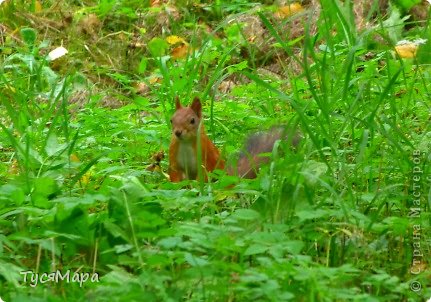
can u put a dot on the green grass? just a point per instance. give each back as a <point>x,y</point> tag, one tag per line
<point>345,217</point>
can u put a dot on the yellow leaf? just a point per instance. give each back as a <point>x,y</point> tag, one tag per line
<point>155,80</point>
<point>407,51</point>
<point>85,179</point>
<point>289,10</point>
<point>37,6</point>
<point>175,39</point>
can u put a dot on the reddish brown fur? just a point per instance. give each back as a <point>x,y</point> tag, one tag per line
<point>183,156</point>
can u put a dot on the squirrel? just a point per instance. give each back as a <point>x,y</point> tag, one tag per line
<point>183,149</point>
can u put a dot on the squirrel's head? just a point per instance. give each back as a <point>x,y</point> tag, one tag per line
<point>185,121</point>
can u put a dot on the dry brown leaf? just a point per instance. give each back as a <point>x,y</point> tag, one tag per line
<point>14,168</point>
<point>180,52</point>
<point>74,158</point>
<point>155,3</point>
<point>142,88</point>
<point>156,158</point>
<point>251,39</point>
<point>418,267</point>
<point>90,24</point>
<point>138,44</point>
<point>226,86</point>
<point>173,12</point>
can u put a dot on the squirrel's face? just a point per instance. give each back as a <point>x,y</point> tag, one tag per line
<point>185,124</point>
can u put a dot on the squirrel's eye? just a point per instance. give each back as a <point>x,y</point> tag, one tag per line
<point>171,121</point>
<point>192,121</point>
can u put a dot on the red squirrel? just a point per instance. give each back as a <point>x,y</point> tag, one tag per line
<point>183,152</point>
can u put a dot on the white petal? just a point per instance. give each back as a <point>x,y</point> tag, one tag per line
<point>57,53</point>
<point>420,41</point>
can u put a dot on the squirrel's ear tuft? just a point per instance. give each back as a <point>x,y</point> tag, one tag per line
<point>197,106</point>
<point>177,103</point>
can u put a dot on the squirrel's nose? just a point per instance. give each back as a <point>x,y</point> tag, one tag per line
<point>178,133</point>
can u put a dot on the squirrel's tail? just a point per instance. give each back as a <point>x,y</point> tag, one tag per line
<point>250,160</point>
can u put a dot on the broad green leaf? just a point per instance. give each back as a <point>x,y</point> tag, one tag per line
<point>53,147</point>
<point>312,214</point>
<point>121,248</point>
<point>294,246</point>
<point>256,249</point>
<point>28,35</point>
<point>246,214</point>
<point>11,273</point>
<point>407,4</point>
<point>169,242</point>
<point>313,171</point>
<point>44,187</point>
<point>194,260</point>
<point>395,24</point>
<point>142,65</point>
<point>157,47</point>
<point>11,192</point>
